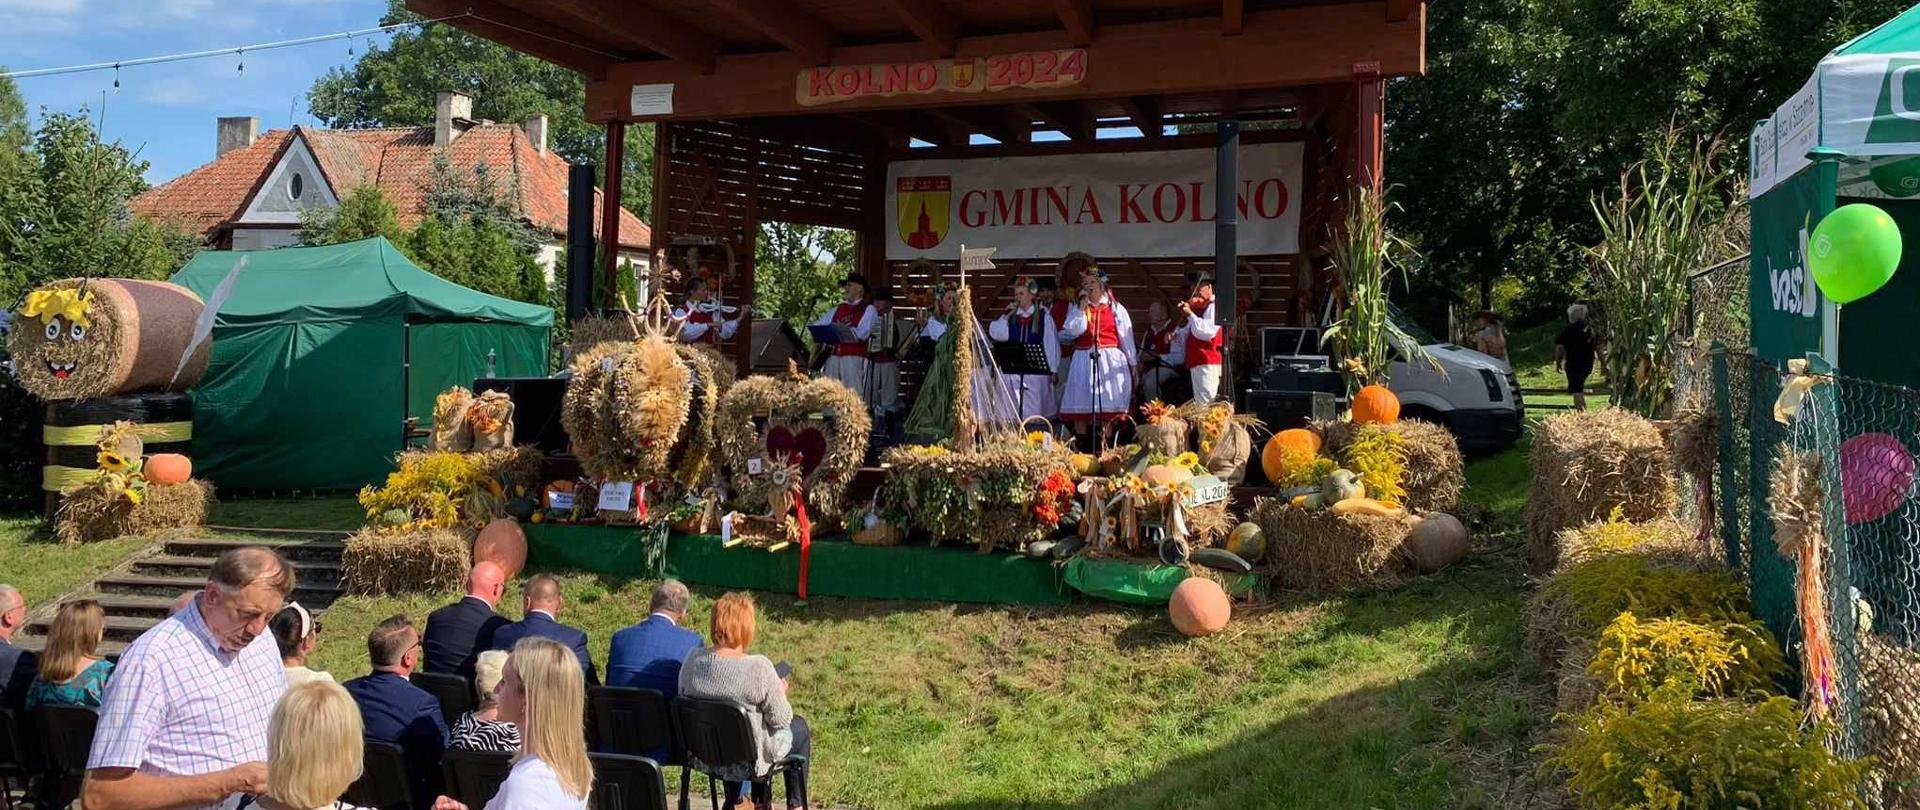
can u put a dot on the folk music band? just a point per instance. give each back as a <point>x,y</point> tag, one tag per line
<point>1100,365</point>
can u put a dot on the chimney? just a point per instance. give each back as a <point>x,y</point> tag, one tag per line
<point>536,127</point>
<point>452,115</point>
<point>235,132</point>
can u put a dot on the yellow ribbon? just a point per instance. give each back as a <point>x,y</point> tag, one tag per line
<point>80,435</point>
<point>1794,390</point>
<point>66,302</point>
<point>55,478</point>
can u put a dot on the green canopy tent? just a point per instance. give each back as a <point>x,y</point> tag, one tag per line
<point>320,354</point>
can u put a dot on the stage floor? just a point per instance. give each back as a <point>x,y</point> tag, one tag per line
<point>838,567</point>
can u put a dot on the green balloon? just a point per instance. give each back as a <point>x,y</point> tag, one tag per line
<point>1854,252</point>
<point>1901,178</point>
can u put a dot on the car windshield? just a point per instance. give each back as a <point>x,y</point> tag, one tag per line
<point>1409,326</point>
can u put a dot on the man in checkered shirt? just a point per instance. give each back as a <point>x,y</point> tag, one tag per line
<point>183,721</point>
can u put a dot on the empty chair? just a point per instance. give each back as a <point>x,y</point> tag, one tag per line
<point>383,780</point>
<point>454,692</point>
<point>622,782</point>
<point>66,735</point>
<point>637,722</point>
<point>18,765</point>
<point>474,776</point>
<point>718,740</point>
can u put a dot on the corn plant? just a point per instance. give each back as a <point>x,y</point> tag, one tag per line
<point>1365,255</point>
<point>1667,220</point>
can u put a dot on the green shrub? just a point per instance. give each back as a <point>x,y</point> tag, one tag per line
<point>1675,753</point>
<point>1635,658</point>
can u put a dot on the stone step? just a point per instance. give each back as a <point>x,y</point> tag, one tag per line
<point>116,628</point>
<point>309,550</point>
<point>109,650</point>
<point>169,587</point>
<point>306,571</point>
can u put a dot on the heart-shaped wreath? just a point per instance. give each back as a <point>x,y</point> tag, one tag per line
<point>818,424</point>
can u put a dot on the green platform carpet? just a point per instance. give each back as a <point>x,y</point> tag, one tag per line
<point>840,568</point>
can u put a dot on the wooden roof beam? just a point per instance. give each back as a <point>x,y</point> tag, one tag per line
<point>902,128</point>
<point>1066,118</point>
<point>647,27</point>
<point>1233,17</point>
<point>931,22</point>
<point>518,30</point>
<point>797,30</point>
<point>1077,17</point>
<point>965,120</point>
<point>1400,10</point>
<point>1145,112</point>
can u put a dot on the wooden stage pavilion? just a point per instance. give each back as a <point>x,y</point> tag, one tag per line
<point>795,111</point>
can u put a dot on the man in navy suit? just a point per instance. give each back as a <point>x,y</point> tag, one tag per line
<point>458,633</point>
<point>17,666</point>
<point>648,654</point>
<point>393,710</point>
<point>542,596</point>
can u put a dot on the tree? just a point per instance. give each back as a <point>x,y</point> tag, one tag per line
<point>363,213</point>
<point>395,86</point>
<point>797,269</point>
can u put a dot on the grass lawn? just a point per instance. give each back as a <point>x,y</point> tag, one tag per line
<point>1530,351</point>
<point>43,568</point>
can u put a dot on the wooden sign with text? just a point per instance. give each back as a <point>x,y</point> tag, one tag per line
<point>817,86</point>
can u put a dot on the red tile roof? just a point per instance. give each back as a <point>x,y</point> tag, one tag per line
<point>399,161</point>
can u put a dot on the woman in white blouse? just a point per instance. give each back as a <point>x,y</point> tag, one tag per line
<point>544,694</point>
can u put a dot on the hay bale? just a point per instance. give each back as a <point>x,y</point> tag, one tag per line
<point>1574,688</point>
<point>1587,464</point>
<point>1435,472</point>
<point>1890,716</point>
<point>384,563</point>
<point>1320,550</point>
<point>984,496</point>
<point>109,336</point>
<point>1664,538</point>
<point>99,511</point>
<point>1569,610</point>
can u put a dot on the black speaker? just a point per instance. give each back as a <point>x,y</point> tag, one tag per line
<point>1286,377</point>
<point>1289,409</point>
<point>536,409</point>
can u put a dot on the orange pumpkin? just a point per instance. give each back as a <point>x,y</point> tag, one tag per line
<point>1199,607</point>
<point>168,468</point>
<point>1375,404</point>
<point>1286,450</point>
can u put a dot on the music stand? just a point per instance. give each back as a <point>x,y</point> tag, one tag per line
<point>828,334</point>
<point>1021,360</point>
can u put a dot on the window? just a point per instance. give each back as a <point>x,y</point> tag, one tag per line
<point>295,185</point>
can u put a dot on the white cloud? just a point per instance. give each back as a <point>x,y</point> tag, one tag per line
<point>175,92</point>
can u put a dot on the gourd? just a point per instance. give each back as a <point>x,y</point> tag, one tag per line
<point>1366,506</point>
<point>1199,607</point>
<point>1374,404</point>
<point>1286,449</point>
<point>1166,475</point>
<point>168,468</point>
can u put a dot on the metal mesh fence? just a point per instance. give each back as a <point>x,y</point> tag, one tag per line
<point>1864,434</point>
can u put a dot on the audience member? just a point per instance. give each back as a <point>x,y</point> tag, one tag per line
<point>297,631</point>
<point>17,666</point>
<point>314,749</point>
<point>458,632</point>
<point>482,729</point>
<point>393,710</point>
<point>724,671</point>
<point>542,693</point>
<point>543,602</point>
<point>648,654</point>
<point>71,671</point>
<point>183,722</point>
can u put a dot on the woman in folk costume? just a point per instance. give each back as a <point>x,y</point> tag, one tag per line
<point>1100,377</point>
<point>1026,322</point>
<point>702,317</point>
<point>848,361</point>
<point>1206,340</point>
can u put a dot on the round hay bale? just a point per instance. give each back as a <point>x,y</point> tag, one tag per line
<point>1437,541</point>
<point>1587,464</point>
<point>1320,550</point>
<point>85,338</point>
<point>98,511</point>
<point>384,563</point>
<point>1434,475</point>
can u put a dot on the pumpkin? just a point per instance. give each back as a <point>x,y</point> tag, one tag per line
<point>1084,464</point>
<point>1286,449</point>
<point>1376,405</point>
<point>1199,607</point>
<point>168,468</point>
<point>1166,475</point>
<point>504,544</point>
<point>1247,541</point>
<point>1435,543</point>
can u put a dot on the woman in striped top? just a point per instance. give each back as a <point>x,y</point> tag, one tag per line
<point>482,729</point>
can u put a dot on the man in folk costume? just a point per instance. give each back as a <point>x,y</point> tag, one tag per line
<point>883,350</point>
<point>702,317</point>
<point>1026,322</point>
<point>848,359</point>
<point>1099,383</point>
<point>1162,349</point>
<point>1206,340</point>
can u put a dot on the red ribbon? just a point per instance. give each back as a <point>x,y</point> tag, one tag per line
<point>640,504</point>
<point>806,537</point>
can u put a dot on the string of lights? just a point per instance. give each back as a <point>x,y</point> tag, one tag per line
<point>239,51</point>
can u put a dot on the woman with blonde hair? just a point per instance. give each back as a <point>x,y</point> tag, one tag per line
<point>725,672</point>
<point>543,693</point>
<point>314,748</point>
<point>71,673</point>
<point>482,729</point>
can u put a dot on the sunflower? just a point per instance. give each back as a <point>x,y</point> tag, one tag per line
<point>133,495</point>
<point>1036,438</point>
<point>1189,460</point>
<point>113,462</point>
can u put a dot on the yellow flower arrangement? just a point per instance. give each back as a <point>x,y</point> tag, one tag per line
<point>1036,438</point>
<point>1191,461</point>
<point>113,462</point>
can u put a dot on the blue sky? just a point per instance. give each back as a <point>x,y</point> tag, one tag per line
<point>166,112</point>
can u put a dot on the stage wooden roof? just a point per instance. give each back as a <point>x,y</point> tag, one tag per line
<point>1145,58</point>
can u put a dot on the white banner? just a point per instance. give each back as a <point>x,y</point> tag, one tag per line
<point>1144,204</point>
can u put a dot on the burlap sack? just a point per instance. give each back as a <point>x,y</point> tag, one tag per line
<point>1168,436</point>
<point>450,431</point>
<point>1231,453</point>
<point>491,419</point>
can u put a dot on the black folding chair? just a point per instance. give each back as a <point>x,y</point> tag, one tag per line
<point>66,735</point>
<point>454,692</point>
<point>14,765</point>
<point>638,722</point>
<point>474,776</point>
<point>719,738</point>
<point>383,779</point>
<point>622,782</point>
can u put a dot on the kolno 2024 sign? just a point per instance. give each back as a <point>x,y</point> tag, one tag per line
<point>832,84</point>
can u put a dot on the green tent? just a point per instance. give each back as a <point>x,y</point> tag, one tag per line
<point>320,354</point>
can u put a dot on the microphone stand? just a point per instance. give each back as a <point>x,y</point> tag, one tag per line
<point>1093,379</point>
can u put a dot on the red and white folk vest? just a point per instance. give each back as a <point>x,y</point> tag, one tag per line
<point>1205,352</point>
<point>1160,341</point>
<point>1103,331</point>
<point>849,316</point>
<point>700,314</point>
<point>1059,311</point>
